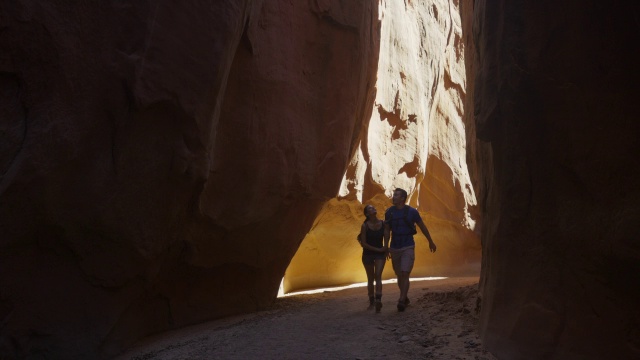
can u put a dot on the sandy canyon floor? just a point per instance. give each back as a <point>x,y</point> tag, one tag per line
<point>440,323</point>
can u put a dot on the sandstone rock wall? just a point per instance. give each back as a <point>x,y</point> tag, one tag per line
<point>556,87</point>
<point>161,161</point>
<point>416,140</point>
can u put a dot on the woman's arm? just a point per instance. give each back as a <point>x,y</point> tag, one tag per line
<point>387,236</point>
<point>363,233</point>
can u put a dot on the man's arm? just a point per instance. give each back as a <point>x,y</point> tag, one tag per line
<point>425,231</point>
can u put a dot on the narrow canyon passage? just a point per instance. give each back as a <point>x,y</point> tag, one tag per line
<point>440,323</point>
<point>167,163</point>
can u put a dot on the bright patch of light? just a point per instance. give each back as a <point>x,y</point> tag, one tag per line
<point>356,285</point>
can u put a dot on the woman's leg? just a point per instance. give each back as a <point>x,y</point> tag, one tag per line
<point>379,266</point>
<point>368,268</point>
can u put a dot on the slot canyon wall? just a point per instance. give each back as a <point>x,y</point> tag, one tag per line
<point>416,140</point>
<point>555,92</point>
<point>162,161</point>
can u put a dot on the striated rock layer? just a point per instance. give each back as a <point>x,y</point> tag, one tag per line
<point>556,86</point>
<point>416,140</point>
<point>161,162</point>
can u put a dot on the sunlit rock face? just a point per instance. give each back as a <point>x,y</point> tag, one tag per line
<point>556,96</point>
<point>161,162</point>
<point>416,140</point>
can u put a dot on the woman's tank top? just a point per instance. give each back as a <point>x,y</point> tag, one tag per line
<point>374,238</point>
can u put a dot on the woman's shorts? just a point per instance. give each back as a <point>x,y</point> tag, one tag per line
<point>370,258</point>
<point>403,259</point>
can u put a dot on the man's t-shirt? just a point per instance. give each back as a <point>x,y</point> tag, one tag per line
<point>401,230</point>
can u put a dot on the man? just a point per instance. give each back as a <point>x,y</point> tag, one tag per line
<point>400,221</point>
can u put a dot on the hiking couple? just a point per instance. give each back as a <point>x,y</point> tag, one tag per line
<point>400,222</point>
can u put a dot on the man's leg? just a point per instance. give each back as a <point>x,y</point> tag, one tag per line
<point>403,280</point>
<point>408,261</point>
<point>396,261</point>
<point>403,272</point>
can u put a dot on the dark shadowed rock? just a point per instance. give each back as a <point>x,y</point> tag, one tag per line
<point>161,162</point>
<point>556,86</point>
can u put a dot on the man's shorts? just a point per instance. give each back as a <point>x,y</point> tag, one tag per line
<point>402,259</point>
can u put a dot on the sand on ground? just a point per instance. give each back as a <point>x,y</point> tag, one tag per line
<point>440,323</point>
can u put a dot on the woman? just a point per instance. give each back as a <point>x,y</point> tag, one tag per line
<point>373,253</point>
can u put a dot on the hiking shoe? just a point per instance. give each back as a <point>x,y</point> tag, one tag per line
<point>401,306</point>
<point>378,305</point>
